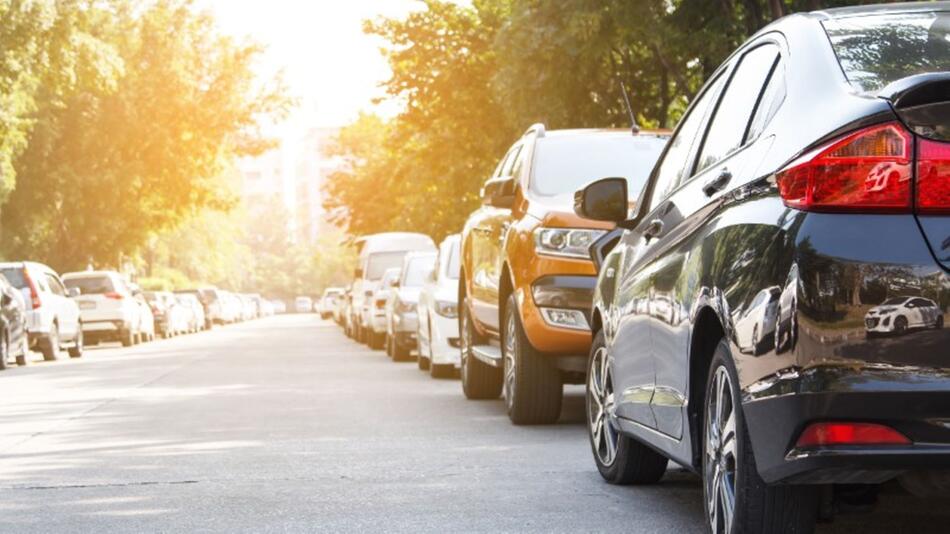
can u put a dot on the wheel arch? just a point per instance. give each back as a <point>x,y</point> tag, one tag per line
<point>706,333</point>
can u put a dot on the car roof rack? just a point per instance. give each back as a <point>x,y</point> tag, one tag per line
<point>536,128</point>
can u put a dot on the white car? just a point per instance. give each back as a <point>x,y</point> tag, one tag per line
<point>52,317</point>
<point>303,305</point>
<point>402,321</point>
<point>378,322</point>
<point>755,328</point>
<point>438,336</point>
<point>146,325</point>
<point>899,314</point>
<point>108,307</point>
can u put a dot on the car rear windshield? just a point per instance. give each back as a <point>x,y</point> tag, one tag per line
<point>875,50</point>
<point>416,271</point>
<point>565,164</point>
<point>14,275</point>
<point>91,285</point>
<point>380,262</point>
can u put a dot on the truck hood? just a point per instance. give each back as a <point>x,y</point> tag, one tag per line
<point>558,212</point>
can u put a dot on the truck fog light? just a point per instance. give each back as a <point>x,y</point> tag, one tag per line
<point>565,318</point>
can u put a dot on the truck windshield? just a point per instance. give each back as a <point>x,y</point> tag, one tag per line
<point>379,262</point>
<point>564,164</point>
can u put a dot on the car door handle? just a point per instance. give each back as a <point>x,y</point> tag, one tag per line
<point>718,183</point>
<point>653,229</point>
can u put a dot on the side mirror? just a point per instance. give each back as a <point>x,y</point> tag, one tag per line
<point>500,192</point>
<point>603,200</point>
<point>6,300</point>
<point>394,283</point>
<point>73,292</point>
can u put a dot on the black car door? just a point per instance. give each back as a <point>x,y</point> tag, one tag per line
<point>631,345</point>
<point>726,157</point>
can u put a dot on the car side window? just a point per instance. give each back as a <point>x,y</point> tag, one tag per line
<point>513,161</point>
<point>671,169</point>
<point>772,98</point>
<point>55,286</point>
<point>501,165</point>
<point>920,303</point>
<point>729,125</point>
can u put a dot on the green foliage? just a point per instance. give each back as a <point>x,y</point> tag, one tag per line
<point>158,102</point>
<point>473,77</point>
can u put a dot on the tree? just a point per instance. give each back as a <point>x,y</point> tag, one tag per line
<point>108,165</point>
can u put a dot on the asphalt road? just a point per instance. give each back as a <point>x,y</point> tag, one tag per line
<point>284,425</point>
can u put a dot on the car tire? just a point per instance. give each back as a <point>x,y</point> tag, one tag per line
<point>900,325</point>
<point>379,340</point>
<point>620,459</point>
<point>479,380</point>
<point>4,352</point>
<point>127,338</point>
<point>756,506</point>
<point>532,386</point>
<point>23,354</point>
<point>938,324</point>
<point>441,370</point>
<point>400,353</point>
<point>50,345</point>
<point>75,351</point>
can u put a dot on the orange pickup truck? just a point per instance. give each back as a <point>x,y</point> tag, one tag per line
<point>527,280</point>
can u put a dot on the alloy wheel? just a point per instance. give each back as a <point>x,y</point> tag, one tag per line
<point>721,456</point>
<point>511,347</point>
<point>601,419</point>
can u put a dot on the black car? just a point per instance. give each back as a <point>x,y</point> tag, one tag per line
<point>14,340</point>
<point>814,166</point>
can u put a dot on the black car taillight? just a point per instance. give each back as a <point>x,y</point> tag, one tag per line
<point>868,171</point>
<point>933,177</point>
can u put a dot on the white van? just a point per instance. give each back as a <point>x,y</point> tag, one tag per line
<point>377,254</point>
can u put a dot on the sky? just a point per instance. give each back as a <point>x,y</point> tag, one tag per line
<point>328,62</point>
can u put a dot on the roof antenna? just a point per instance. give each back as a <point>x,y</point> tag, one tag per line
<point>626,101</point>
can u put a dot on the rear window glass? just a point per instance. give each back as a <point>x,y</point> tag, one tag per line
<point>91,285</point>
<point>875,50</point>
<point>416,271</point>
<point>15,277</point>
<point>564,164</point>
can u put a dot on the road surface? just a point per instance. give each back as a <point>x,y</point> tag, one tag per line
<point>285,425</point>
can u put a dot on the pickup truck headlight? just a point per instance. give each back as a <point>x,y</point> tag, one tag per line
<point>566,242</point>
<point>446,309</point>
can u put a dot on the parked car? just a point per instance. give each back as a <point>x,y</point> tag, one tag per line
<point>402,320</point>
<point>376,254</point>
<point>339,309</point>
<point>108,307</point>
<point>210,303</point>
<point>195,312</point>
<point>438,335</point>
<point>279,306</point>
<point>378,302</point>
<point>328,302</point>
<point>897,315</point>
<point>52,317</point>
<point>755,325</point>
<point>231,307</point>
<point>526,277</point>
<point>14,340</point>
<point>169,315</point>
<point>817,156</point>
<point>303,304</point>
<point>146,321</point>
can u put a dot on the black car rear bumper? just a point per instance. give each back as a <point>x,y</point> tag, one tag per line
<point>915,402</point>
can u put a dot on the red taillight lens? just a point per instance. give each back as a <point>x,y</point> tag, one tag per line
<point>933,177</point>
<point>35,301</point>
<point>113,295</point>
<point>868,170</point>
<point>834,434</point>
<point>380,304</point>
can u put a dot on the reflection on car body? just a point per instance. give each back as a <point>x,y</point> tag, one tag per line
<point>897,315</point>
